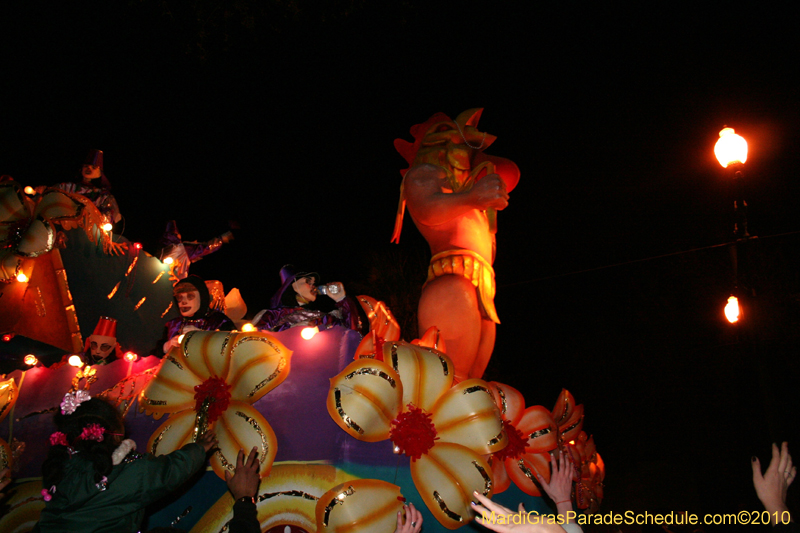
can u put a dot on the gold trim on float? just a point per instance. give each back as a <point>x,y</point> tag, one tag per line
<point>573,426</point>
<point>502,399</point>
<point>444,364</point>
<point>394,357</point>
<point>443,506</point>
<point>186,338</point>
<point>337,396</point>
<point>138,305</point>
<point>157,440</point>
<point>476,388</point>
<point>158,277</point>
<point>539,433</point>
<point>224,344</point>
<point>278,370</point>
<point>290,493</point>
<point>487,480</point>
<point>496,439</point>
<point>337,500</point>
<point>254,423</point>
<point>525,470</point>
<point>175,362</point>
<point>372,372</point>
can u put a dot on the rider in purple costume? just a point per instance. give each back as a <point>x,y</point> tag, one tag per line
<point>193,300</point>
<point>187,252</point>
<point>297,304</point>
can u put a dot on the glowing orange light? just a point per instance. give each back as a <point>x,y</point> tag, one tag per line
<point>30,359</point>
<point>7,337</point>
<point>108,226</point>
<point>137,245</point>
<point>130,357</point>
<point>168,261</point>
<point>732,309</point>
<point>248,327</point>
<point>730,148</point>
<point>75,360</point>
<point>22,278</point>
<point>572,442</point>
<point>29,190</point>
<point>308,333</point>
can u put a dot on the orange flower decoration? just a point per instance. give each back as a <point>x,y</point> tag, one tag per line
<point>532,435</point>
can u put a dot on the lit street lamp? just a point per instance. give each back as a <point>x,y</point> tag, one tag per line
<point>731,152</point>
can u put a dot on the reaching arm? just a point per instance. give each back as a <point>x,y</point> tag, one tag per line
<point>771,487</point>
<point>431,207</point>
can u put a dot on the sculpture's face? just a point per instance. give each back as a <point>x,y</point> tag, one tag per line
<point>90,172</point>
<point>101,345</point>
<point>305,288</point>
<point>188,303</point>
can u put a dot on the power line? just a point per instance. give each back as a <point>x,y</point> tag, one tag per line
<point>595,269</point>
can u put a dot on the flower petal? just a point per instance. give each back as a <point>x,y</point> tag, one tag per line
<point>241,427</point>
<point>564,407</point>
<point>174,433</point>
<point>364,399</point>
<point>206,353</point>
<point>537,424</point>
<point>523,471</point>
<point>425,372</point>
<point>467,415</point>
<point>446,477</point>
<point>571,428</point>
<point>172,389</point>
<point>509,401</point>
<point>499,475</point>
<point>259,363</point>
<point>359,506</point>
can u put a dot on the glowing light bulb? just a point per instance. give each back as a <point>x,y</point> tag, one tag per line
<point>22,278</point>
<point>7,337</point>
<point>168,261</point>
<point>108,226</point>
<point>730,148</point>
<point>248,327</point>
<point>29,190</point>
<point>309,332</point>
<point>180,337</point>
<point>30,359</point>
<point>732,310</point>
<point>137,245</point>
<point>75,360</point>
<point>130,357</point>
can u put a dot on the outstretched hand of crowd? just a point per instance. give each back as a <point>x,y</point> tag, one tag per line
<point>498,518</point>
<point>245,481</point>
<point>771,486</point>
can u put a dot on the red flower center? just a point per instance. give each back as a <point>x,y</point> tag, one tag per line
<point>217,392</point>
<point>516,443</point>
<point>413,432</point>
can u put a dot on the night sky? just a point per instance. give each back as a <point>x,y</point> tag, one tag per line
<point>281,116</point>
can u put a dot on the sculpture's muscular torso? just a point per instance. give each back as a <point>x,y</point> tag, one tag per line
<point>453,191</point>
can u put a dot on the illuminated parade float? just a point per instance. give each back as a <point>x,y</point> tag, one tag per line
<point>349,422</point>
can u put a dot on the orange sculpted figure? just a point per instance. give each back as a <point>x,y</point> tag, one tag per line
<point>453,191</point>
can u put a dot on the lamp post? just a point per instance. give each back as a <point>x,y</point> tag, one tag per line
<point>731,152</point>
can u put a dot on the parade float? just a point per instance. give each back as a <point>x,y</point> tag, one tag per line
<point>348,424</point>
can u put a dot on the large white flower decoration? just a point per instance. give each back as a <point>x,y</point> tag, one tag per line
<point>210,381</point>
<point>408,397</point>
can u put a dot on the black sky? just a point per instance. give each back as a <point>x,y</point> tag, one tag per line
<point>282,115</point>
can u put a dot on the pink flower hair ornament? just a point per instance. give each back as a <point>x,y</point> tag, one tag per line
<point>58,438</point>
<point>47,494</point>
<point>72,400</point>
<point>93,432</point>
